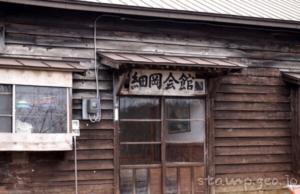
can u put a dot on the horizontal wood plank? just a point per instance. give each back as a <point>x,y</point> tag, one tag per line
<point>253,89</point>
<point>253,159</point>
<point>253,141</point>
<point>252,115</point>
<point>240,124</point>
<point>252,80</point>
<point>95,145</point>
<point>251,98</point>
<point>253,150</point>
<point>253,132</point>
<point>90,155</point>
<point>250,168</point>
<point>252,106</point>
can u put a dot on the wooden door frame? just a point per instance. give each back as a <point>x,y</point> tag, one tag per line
<point>209,163</point>
<point>213,84</point>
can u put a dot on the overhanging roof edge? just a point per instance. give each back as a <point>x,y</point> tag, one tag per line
<point>116,59</point>
<point>40,64</point>
<point>170,14</point>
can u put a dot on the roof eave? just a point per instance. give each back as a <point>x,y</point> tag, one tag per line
<point>170,14</point>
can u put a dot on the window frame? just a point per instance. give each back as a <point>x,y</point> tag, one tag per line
<point>10,94</point>
<point>13,114</point>
<point>163,141</point>
<point>158,120</point>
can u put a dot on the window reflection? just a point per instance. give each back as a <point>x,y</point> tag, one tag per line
<point>41,109</point>
<point>6,108</point>
<point>181,108</point>
<point>183,128</point>
<point>139,108</point>
<point>6,125</point>
<point>139,131</point>
<point>185,120</point>
<point>5,103</point>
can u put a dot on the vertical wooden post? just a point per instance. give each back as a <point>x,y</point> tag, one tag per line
<point>193,182</point>
<point>213,85</point>
<point>296,134</point>
<point>163,146</point>
<point>116,135</point>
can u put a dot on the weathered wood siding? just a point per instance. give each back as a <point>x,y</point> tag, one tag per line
<point>41,35</point>
<point>252,109</point>
<point>252,130</point>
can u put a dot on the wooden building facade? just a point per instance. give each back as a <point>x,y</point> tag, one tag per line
<point>245,120</point>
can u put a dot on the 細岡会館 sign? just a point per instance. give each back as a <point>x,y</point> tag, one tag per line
<point>165,83</point>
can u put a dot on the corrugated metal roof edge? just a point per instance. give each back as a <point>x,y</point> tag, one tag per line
<point>75,66</point>
<point>162,13</point>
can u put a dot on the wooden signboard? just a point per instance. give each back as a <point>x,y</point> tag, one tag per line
<point>165,83</point>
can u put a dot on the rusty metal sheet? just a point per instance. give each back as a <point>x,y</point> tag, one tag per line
<point>199,61</point>
<point>179,60</point>
<point>220,62</point>
<point>135,57</point>
<point>56,64</point>
<point>32,63</point>
<point>114,56</point>
<point>7,61</point>
<point>47,65</point>
<point>156,59</point>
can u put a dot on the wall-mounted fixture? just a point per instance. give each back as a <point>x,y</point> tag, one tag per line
<point>91,109</point>
<point>76,127</point>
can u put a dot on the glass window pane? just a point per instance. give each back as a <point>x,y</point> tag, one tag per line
<point>185,131</point>
<point>140,131</point>
<point>41,109</point>
<point>139,108</point>
<point>6,124</point>
<point>175,127</point>
<point>126,184</point>
<point>141,182</point>
<point>5,88</point>
<point>185,152</point>
<point>171,181</point>
<point>140,154</point>
<point>185,120</point>
<point>5,104</point>
<point>180,108</point>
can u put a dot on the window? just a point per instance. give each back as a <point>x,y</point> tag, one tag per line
<point>158,132</point>
<point>34,109</point>
<point>5,108</point>
<point>146,124</point>
<point>184,131</point>
<point>140,130</point>
<point>35,105</point>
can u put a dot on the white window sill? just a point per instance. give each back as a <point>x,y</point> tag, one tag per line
<point>35,142</point>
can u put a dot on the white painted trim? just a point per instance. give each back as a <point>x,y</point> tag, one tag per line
<point>13,109</point>
<point>68,111</point>
<point>35,142</point>
<point>36,78</point>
